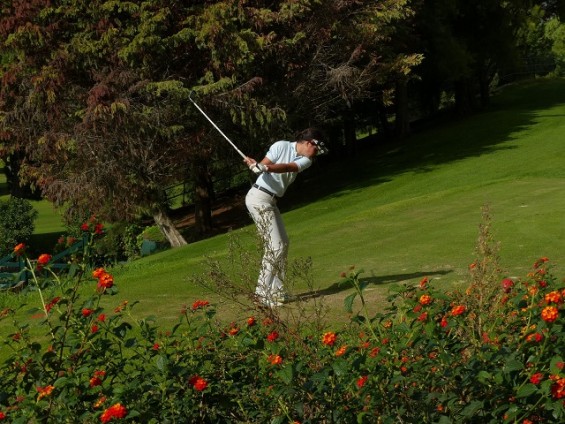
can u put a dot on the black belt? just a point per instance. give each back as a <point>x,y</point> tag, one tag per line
<point>264,190</point>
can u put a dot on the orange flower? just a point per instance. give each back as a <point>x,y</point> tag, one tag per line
<point>457,310</point>
<point>549,313</point>
<point>341,351</point>
<point>114,411</point>
<point>329,338</point>
<point>425,299</point>
<point>424,283</point>
<point>98,272</point>
<point>44,391</point>
<point>198,382</point>
<point>534,337</point>
<point>20,249</point>
<point>540,262</point>
<point>250,321</point>
<point>553,297</point>
<point>105,281</point>
<point>233,331</point>
<point>274,359</point>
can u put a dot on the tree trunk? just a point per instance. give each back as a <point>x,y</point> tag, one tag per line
<point>402,127</point>
<point>349,133</point>
<point>203,198</point>
<point>167,227</point>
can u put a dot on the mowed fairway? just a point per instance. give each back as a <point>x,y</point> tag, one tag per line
<point>402,211</point>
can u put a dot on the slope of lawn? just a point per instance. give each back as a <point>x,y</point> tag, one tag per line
<point>400,212</point>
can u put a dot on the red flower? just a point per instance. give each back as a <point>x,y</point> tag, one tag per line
<point>98,229</point>
<point>362,380</point>
<point>101,317</point>
<point>85,227</point>
<point>94,329</point>
<point>87,312</point>
<point>115,411</point>
<point>507,285</point>
<point>156,346</point>
<point>198,382</point>
<point>250,321</point>
<point>443,322</point>
<point>2,416</point>
<point>20,249</point>
<point>536,378</point>
<point>423,317</point>
<point>273,336</point>
<point>53,302</point>
<point>329,338</point>
<point>199,304</point>
<point>43,260</point>
<point>558,389</point>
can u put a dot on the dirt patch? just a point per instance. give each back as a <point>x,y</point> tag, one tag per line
<point>228,213</point>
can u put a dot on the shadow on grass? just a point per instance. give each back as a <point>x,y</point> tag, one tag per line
<point>43,243</point>
<point>375,280</point>
<point>431,145</point>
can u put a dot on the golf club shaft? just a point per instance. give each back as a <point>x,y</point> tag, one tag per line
<point>219,130</point>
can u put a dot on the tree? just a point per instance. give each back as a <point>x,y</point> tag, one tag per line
<point>94,96</point>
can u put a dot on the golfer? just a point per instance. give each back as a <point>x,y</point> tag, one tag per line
<point>280,166</point>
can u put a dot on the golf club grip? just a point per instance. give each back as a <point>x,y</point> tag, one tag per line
<point>218,128</point>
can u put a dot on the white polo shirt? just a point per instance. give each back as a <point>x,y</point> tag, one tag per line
<point>282,152</point>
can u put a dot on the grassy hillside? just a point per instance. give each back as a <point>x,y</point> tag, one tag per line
<point>402,211</point>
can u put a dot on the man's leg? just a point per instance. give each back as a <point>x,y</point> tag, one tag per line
<point>271,228</point>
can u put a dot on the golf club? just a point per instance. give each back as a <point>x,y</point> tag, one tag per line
<point>257,167</point>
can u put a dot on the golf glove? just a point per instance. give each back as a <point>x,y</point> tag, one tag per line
<point>258,168</point>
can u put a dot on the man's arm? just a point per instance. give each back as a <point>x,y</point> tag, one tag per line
<point>279,168</point>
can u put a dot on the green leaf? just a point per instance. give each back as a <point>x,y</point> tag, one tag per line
<point>471,409</point>
<point>553,364</point>
<point>348,302</point>
<point>513,365</point>
<point>286,374</point>
<point>526,390</point>
<point>484,377</point>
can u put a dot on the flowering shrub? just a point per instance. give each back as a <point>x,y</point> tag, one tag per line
<point>430,357</point>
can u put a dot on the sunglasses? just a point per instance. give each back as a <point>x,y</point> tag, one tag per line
<point>322,149</point>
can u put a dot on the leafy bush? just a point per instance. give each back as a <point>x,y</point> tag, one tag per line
<point>430,356</point>
<point>17,217</point>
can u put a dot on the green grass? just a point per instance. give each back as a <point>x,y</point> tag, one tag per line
<point>403,211</point>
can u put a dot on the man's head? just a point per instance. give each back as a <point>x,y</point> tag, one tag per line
<point>312,138</point>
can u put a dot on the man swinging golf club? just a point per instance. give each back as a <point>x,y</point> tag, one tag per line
<point>280,166</point>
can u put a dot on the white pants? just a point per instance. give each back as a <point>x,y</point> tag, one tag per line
<point>264,211</point>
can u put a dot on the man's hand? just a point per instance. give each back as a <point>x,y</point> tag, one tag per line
<point>258,168</point>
